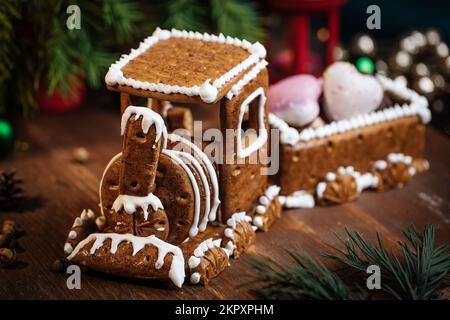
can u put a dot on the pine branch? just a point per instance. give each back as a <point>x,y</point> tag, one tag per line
<point>417,274</point>
<point>237,19</point>
<point>121,17</point>
<point>185,14</point>
<point>306,278</point>
<point>10,12</point>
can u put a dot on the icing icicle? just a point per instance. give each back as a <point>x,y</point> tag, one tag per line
<point>131,203</point>
<point>176,272</point>
<point>149,118</point>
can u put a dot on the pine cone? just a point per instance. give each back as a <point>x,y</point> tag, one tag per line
<point>10,189</point>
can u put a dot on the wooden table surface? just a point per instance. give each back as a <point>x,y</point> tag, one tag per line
<point>67,187</point>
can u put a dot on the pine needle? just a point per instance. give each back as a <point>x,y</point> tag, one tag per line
<point>417,272</point>
<point>306,278</point>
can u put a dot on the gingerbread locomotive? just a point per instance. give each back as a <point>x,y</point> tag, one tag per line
<point>169,212</point>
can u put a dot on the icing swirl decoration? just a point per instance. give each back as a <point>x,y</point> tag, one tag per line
<point>208,92</point>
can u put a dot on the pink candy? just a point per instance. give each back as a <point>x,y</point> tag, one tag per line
<point>295,99</point>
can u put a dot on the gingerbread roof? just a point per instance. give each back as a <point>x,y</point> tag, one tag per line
<point>179,65</point>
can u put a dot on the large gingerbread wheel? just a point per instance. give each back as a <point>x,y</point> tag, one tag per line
<point>173,188</point>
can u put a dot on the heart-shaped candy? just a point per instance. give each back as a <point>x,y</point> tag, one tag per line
<point>349,93</point>
<point>295,99</point>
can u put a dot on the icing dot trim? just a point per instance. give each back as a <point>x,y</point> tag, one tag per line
<point>418,106</point>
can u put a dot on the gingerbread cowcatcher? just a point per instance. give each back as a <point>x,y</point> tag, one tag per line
<point>168,213</point>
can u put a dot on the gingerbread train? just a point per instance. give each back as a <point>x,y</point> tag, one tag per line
<point>169,212</point>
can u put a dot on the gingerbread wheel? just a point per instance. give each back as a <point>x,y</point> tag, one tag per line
<point>173,188</point>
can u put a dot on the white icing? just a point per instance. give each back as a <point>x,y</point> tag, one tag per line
<point>258,221</point>
<point>90,214</point>
<point>426,165</point>
<point>84,215</point>
<point>299,199</point>
<point>72,234</point>
<point>195,278</point>
<point>100,222</point>
<point>366,181</point>
<point>238,216</point>
<point>399,157</point>
<point>208,92</point>
<point>258,49</point>
<point>115,75</point>
<point>288,135</point>
<point>272,191</point>
<point>229,248</point>
<point>418,106</point>
<point>260,209</point>
<point>232,222</point>
<point>246,79</point>
<point>205,183</point>
<point>193,231</point>
<point>229,233</point>
<point>262,136</point>
<point>149,118</point>
<point>176,272</point>
<point>380,165</point>
<point>193,262</point>
<point>363,181</point>
<point>131,203</point>
<point>68,249</point>
<point>161,34</point>
<point>110,163</point>
<point>212,172</point>
<point>200,251</point>
<point>166,106</point>
<point>77,223</point>
<point>222,80</point>
<point>320,189</point>
<point>264,200</point>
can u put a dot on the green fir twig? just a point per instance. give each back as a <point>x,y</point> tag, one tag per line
<point>306,278</point>
<point>418,271</point>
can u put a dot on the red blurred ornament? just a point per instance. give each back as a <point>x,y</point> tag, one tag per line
<point>301,12</point>
<point>60,101</point>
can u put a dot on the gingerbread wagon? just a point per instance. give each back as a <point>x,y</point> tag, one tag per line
<point>167,210</point>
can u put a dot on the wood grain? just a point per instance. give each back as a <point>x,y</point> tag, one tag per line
<point>67,187</point>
